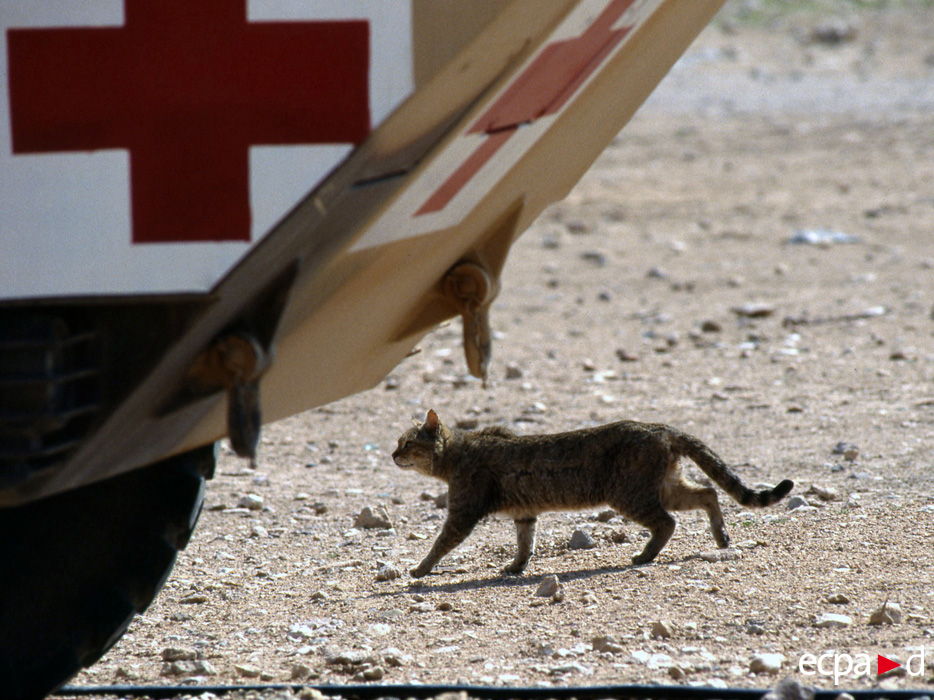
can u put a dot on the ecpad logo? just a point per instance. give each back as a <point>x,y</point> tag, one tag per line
<point>857,665</point>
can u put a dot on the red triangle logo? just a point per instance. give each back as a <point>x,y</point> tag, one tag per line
<point>885,665</point>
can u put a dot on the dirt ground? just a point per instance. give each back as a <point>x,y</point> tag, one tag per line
<point>667,288</point>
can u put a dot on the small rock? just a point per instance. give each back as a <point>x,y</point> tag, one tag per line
<point>660,661</point>
<point>251,501</point>
<point>179,654</point>
<point>373,519</point>
<point>790,689</point>
<point>838,599</point>
<point>349,657</point>
<point>197,667</point>
<point>605,643</point>
<point>625,356</point>
<point>395,657</point>
<point>825,494</point>
<point>372,673</point>
<point>259,532</point>
<point>311,694</point>
<point>832,33</point>
<point>595,258</point>
<point>711,327</point>
<point>605,516</point>
<point>247,670</point>
<point>766,663</point>
<point>661,629</point>
<point>753,310</point>
<point>832,621</point>
<point>581,540</point>
<point>796,502</point>
<point>387,572</point>
<point>821,237</point>
<point>849,451</point>
<point>677,673</point>
<point>590,598</point>
<point>721,555</point>
<point>423,607</point>
<point>124,673</point>
<point>888,614</point>
<point>300,672</point>
<point>549,587</point>
<point>513,371</point>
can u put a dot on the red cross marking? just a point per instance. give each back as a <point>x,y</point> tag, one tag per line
<point>187,86</point>
<point>541,89</point>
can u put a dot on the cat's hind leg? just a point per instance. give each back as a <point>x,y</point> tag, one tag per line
<point>683,495</point>
<point>453,532</point>
<point>660,523</point>
<point>525,536</point>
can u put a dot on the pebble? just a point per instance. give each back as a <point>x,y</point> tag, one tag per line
<point>373,519</point>
<point>251,501</point>
<point>605,643</point>
<point>197,667</point>
<point>595,258</point>
<point>513,371</point>
<point>821,237</point>
<point>179,654</point>
<point>387,572</point>
<point>823,493</point>
<point>605,516</point>
<point>832,621</point>
<point>790,689</point>
<point>581,540</point>
<point>351,657</point>
<point>753,310</point>
<point>590,598</point>
<point>659,661</point>
<point>300,672</point>
<point>796,502</point>
<point>766,663</point>
<point>845,449</point>
<point>888,614</point>
<point>247,670</point>
<point>626,356</point>
<point>395,657</point>
<point>549,587</point>
<point>838,599</point>
<point>661,629</point>
<point>721,555</point>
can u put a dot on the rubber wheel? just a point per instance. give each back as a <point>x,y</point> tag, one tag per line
<point>75,568</point>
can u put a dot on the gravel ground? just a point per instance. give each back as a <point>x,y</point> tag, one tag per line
<point>666,287</point>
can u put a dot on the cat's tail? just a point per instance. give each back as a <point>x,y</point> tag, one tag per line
<point>716,469</point>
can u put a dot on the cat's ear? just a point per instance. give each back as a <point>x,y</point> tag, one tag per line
<point>432,422</point>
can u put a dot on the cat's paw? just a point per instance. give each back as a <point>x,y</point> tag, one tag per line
<point>419,571</point>
<point>513,569</point>
<point>722,539</point>
<point>642,558</point>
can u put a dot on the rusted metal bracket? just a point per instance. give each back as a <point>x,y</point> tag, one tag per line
<point>471,288</point>
<point>234,363</point>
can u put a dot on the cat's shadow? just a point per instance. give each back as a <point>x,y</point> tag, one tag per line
<point>501,580</point>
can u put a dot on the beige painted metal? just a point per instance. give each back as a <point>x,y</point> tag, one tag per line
<point>352,321</point>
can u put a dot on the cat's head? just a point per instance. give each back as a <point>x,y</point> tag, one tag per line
<point>419,446</point>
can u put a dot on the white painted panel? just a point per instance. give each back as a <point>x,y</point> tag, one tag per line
<point>65,218</point>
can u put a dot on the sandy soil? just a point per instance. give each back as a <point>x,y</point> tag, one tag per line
<point>674,255</point>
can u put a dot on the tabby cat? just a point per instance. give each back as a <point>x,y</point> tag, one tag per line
<point>632,467</point>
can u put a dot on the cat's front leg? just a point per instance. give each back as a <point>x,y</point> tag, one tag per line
<point>455,530</point>
<point>525,536</point>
